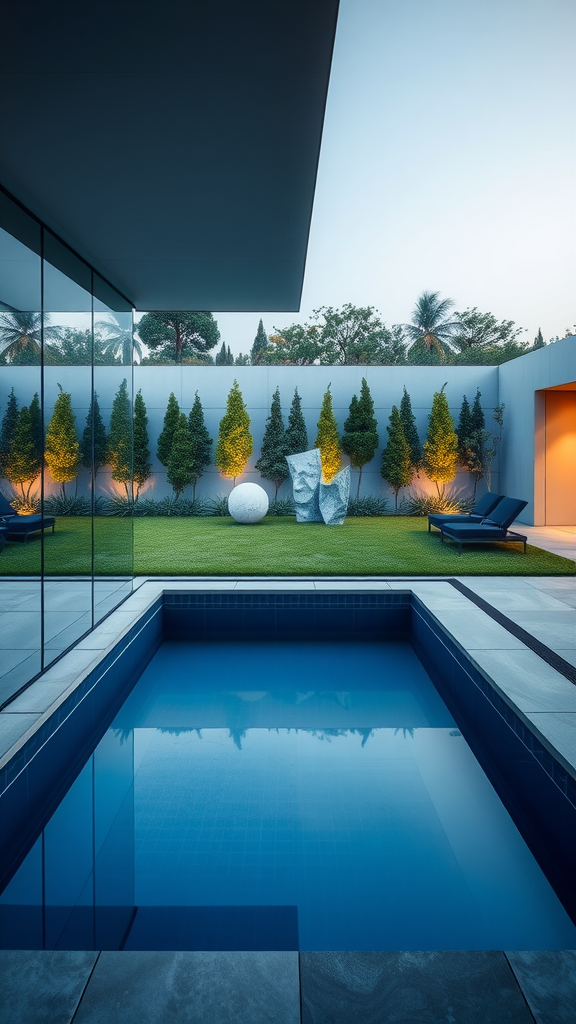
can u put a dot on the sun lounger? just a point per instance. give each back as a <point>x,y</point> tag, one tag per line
<point>483,507</point>
<point>490,530</point>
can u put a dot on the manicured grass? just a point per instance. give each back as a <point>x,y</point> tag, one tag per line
<point>278,546</point>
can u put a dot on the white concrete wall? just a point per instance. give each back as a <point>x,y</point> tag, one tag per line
<point>520,380</point>
<point>257,385</point>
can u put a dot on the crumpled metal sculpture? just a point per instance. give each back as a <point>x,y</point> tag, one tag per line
<point>306,473</point>
<point>316,501</point>
<point>334,498</point>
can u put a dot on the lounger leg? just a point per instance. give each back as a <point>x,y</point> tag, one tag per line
<point>459,549</point>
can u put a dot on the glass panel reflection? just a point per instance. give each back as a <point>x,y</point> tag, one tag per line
<point>112,427</point>
<point>21,449</point>
<point>67,392</point>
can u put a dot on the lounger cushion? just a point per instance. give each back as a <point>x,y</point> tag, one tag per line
<point>505,512</point>
<point>474,531</point>
<point>438,518</point>
<point>28,524</point>
<point>483,506</point>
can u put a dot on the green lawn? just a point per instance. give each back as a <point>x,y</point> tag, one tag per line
<point>390,546</point>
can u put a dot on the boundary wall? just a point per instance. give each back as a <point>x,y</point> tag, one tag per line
<point>258,384</point>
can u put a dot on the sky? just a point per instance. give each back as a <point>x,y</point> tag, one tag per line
<point>448,163</point>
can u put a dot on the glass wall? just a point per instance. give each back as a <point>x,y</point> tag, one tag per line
<point>65,448</point>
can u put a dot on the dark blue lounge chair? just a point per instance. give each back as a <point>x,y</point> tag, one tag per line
<point>3,532</point>
<point>482,508</point>
<point>19,525</point>
<point>494,529</point>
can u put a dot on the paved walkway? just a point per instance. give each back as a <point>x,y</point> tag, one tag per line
<point>560,540</point>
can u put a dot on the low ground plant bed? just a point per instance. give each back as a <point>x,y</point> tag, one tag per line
<point>278,546</point>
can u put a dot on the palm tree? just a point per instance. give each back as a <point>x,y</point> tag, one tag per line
<point>21,334</point>
<point>119,340</point>
<point>429,324</point>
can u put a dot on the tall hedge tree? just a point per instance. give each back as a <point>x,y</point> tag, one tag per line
<point>296,433</point>
<point>201,442</point>
<point>181,461</point>
<point>327,439</point>
<point>260,343</point>
<point>62,452</point>
<point>171,421</point>
<point>411,431</point>
<point>120,438</point>
<point>141,466</point>
<point>397,468</point>
<point>25,457</point>
<point>94,443</point>
<point>234,445</point>
<point>464,431</point>
<point>9,422</point>
<point>360,438</point>
<point>272,463</point>
<point>441,445</point>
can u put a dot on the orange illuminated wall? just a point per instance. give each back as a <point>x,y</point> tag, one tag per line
<point>560,455</point>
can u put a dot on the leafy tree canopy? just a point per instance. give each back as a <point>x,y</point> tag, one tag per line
<point>350,336</point>
<point>178,335</point>
<point>472,329</point>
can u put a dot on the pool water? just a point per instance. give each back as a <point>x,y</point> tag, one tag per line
<point>284,795</point>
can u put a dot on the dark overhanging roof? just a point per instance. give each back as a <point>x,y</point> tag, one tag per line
<point>173,145</point>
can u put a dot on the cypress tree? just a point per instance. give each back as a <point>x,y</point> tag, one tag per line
<point>464,432</point>
<point>479,441</point>
<point>260,344</point>
<point>171,421</point>
<point>94,443</point>
<point>441,445</point>
<point>37,431</point>
<point>411,430</point>
<point>224,357</point>
<point>477,420</point>
<point>120,438</point>
<point>181,462</point>
<point>201,442</point>
<point>327,439</point>
<point>296,433</point>
<point>272,462</point>
<point>234,445</point>
<point>397,468</point>
<point>360,438</point>
<point>62,454</point>
<point>25,458</point>
<point>142,465</point>
<point>8,426</point>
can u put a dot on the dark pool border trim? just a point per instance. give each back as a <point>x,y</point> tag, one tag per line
<point>545,653</point>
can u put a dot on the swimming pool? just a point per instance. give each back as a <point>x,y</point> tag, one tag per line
<point>283,794</point>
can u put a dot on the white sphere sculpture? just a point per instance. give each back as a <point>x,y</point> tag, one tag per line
<point>248,503</point>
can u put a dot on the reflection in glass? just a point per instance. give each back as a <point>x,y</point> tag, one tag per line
<point>21,445</point>
<point>58,321</point>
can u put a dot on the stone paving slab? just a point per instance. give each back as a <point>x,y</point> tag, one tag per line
<point>42,986</point>
<point>548,981</point>
<point>192,987</point>
<point>411,988</point>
